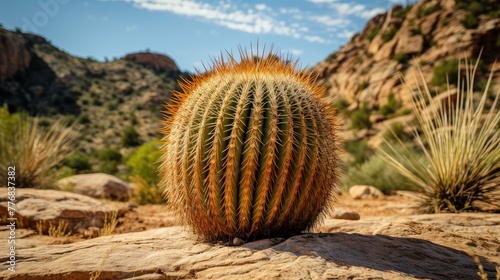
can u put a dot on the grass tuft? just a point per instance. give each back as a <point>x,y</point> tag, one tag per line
<point>34,151</point>
<point>460,141</point>
<point>109,224</point>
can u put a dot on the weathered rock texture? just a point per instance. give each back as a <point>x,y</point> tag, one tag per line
<point>53,207</point>
<point>366,70</point>
<point>14,56</point>
<point>98,185</point>
<point>413,247</point>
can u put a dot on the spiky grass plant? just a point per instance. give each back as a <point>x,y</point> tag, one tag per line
<point>31,149</point>
<point>249,149</point>
<point>460,141</point>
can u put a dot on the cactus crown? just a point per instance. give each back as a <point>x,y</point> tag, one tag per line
<point>249,149</point>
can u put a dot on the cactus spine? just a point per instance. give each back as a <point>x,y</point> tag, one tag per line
<point>249,149</point>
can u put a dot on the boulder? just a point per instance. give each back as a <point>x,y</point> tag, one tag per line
<point>345,215</point>
<point>98,185</point>
<point>53,207</point>
<point>409,44</point>
<point>362,191</point>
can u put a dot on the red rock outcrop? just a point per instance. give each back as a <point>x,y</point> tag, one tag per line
<point>158,62</point>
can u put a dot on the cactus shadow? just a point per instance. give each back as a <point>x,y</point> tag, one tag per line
<point>410,256</point>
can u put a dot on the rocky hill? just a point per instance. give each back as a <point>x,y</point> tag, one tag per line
<point>118,103</point>
<point>364,76</point>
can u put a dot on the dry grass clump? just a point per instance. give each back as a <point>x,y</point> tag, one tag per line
<point>109,224</point>
<point>31,149</point>
<point>146,192</point>
<point>460,141</point>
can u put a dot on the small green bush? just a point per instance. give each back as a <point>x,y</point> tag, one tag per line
<point>372,33</point>
<point>109,154</point>
<point>130,137</point>
<point>331,57</point>
<point>342,106</point>
<point>363,85</point>
<point>376,172</point>
<point>361,118</point>
<point>79,162</point>
<point>109,159</point>
<point>422,12</point>
<point>143,163</point>
<point>448,69</point>
<point>146,193</point>
<point>401,57</point>
<point>390,108</point>
<point>389,34</point>
<point>359,150</point>
<point>470,21</point>
<point>396,131</point>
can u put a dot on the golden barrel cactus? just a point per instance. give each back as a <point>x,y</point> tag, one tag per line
<point>249,149</point>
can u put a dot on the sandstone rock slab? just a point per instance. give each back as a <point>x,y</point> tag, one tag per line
<point>53,207</point>
<point>406,248</point>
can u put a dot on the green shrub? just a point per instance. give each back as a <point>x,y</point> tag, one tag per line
<point>375,172</point>
<point>396,131</point>
<point>372,33</point>
<point>331,57</point>
<point>33,151</point>
<point>79,162</point>
<point>470,21</point>
<point>341,105</point>
<point>109,159</point>
<point>361,118</point>
<point>146,193</point>
<point>390,108</point>
<point>143,163</point>
<point>109,154</point>
<point>460,165</point>
<point>422,12</point>
<point>446,71</point>
<point>359,151</point>
<point>363,85</point>
<point>401,57</point>
<point>130,137</point>
<point>389,34</point>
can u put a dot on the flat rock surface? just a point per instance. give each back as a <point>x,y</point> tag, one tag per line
<point>404,247</point>
<point>51,206</point>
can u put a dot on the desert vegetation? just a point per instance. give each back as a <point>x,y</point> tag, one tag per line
<point>34,151</point>
<point>459,165</point>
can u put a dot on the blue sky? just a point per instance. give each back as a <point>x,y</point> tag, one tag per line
<point>192,31</point>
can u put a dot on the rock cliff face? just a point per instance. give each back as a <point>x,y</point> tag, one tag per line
<point>429,36</point>
<point>14,56</point>
<point>405,39</point>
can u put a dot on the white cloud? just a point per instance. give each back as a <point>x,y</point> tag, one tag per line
<point>345,34</point>
<point>322,1</point>
<point>349,8</point>
<point>262,7</point>
<point>315,39</point>
<point>295,52</point>
<point>224,14</point>
<point>329,21</point>
<point>130,28</point>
